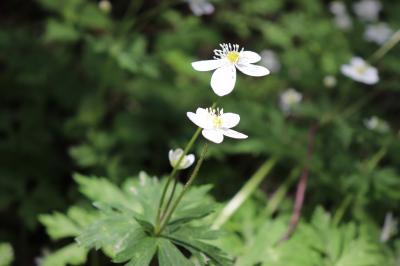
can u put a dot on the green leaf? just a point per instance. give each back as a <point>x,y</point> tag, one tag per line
<point>6,254</point>
<point>59,225</point>
<point>169,255</point>
<point>140,253</point>
<point>59,31</point>
<point>68,255</point>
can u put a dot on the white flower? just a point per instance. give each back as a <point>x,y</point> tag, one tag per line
<point>367,10</point>
<point>360,71</point>
<point>105,6</point>
<point>330,81</point>
<point>376,124</point>
<point>225,62</point>
<point>338,8</point>
<point>216,124</point>
<point>342,19</point>
<point>201,7</point>
<point>270,60</point>
<point>378,33</point>
<point>288,99</point>
<point>343,22</point>
<point>174,156</point>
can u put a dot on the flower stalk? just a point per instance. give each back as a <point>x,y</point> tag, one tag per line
<point>170,211</point>
<point>174,172</point>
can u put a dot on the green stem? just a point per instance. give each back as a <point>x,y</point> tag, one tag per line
<point>342,209</point>
<point>386,47</point>
<point>170,198</point>
<point>174,172</point>
<point>244,193</point>
<point>193,176</point>
<point>160,213</point>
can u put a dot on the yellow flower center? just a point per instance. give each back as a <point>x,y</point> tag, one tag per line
<point>233,56</point>
<point>361,70</point>
<point>217,121</point>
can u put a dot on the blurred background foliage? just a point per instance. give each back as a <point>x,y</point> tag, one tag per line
<point>104,91</point>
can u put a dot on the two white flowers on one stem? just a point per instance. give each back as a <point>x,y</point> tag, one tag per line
<point>215,123</point>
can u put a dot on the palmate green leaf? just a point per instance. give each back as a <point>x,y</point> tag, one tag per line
<point>60,226</point>
<point>125,228</point>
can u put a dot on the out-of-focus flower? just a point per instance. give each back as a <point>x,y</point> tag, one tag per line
<point>201,7</point>
<point>360,71</point>
<point>343,22</point>
<point>367,10</point>
<point>376,124</point>
<point>225,62</point>
<point>389,228</point>
<point>378,33</point>
<point>338,8</point>
<point>174,156</point>
<point>270,60</point>
<point>330,81</point>
<point>342,19</point>
<point>288,99</point>
<point>105,6</point>
<point>216,124</point>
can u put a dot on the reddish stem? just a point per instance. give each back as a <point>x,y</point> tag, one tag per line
<point>302,185</point>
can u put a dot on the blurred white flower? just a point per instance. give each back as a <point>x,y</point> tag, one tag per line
<point>288,99</point>
<point>270,60</point>
<point>330,81</point>
<point>225,62</point>
<point>216,124</point>
<point>378,33</point>
<point>367,10</point>
<point>201,7</point>
<point>338,8</point>
<point>105,6</point>
<point>343,22</point>
<point>389,228</point>
<point>360,71</point>
<point>174,156</point>
<point>342,19</point>
<point>374,123</point>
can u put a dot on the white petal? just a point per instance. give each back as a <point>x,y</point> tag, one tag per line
<point>230,120</point>
<point>205,118</point>
<point>187,162</point>
<point>234,134</point>
<point>213,135</point>
<point>201,118</point>
<point>171,156</point>
<point>223,80</point>
<point>207,65</point>
<point>357,61</point>
<point>249,57</point>
<point>253,70</point>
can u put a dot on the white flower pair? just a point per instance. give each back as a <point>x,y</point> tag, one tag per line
<point>215,123</point>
